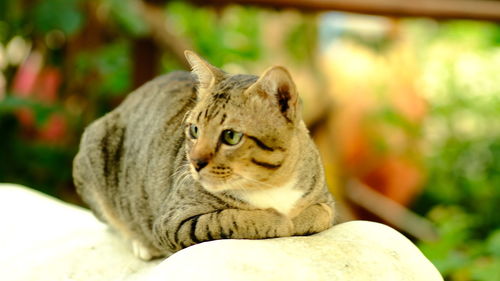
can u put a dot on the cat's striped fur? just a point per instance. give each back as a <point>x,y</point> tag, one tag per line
<point>158,170</point>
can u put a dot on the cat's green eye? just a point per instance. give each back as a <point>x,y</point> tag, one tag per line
<point>193,131</point>
<point>231,137</point>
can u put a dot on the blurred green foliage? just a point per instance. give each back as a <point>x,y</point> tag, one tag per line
<point>111,62</point>
<point>126,17</point>
<point>63,15</point>
<point>233,35</point>
<point>462,62</point>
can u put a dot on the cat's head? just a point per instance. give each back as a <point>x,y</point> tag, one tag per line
<point>242,132</point>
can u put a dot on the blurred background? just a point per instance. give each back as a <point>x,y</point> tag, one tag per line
<point>404,103</point>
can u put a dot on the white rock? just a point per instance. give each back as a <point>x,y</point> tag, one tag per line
<point>357,250</point>
<point>44,239</point>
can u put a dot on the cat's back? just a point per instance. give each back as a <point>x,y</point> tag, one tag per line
<point>118,149</point>
<point>170,91</point>
<point>156,107</point>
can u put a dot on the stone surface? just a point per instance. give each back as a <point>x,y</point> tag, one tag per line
<point>44,239</point>
<point>356,250</point>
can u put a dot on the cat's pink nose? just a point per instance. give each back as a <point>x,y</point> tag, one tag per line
<point>199,164</point>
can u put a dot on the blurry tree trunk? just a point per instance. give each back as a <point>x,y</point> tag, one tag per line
<point>390,211</point>
<point>93,36</point>
<point>162,34</point>
<point>146,57</point>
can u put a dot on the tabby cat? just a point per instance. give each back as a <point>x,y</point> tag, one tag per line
<point>193,157</point>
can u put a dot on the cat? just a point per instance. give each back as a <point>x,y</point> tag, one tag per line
<point>203,155</point>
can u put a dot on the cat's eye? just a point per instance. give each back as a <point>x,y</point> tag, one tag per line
<point>231,137</point>
<point>193,131</point>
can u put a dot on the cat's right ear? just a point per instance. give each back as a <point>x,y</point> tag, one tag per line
<point>276,85</point>
<point>207,74</point>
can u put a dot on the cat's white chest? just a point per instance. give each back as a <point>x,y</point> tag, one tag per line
<point>282,199</point>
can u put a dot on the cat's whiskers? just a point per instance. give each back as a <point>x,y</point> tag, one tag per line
<point>187,177</point>
<point>180,169</point>
<point>183,175</point>
<point>177,175</point>
<point>239,187</point>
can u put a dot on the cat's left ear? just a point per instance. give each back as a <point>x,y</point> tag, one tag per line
<point>276,84</point>
<point>208,75</point>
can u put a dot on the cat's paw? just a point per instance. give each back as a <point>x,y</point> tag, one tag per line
<point>141,251</point>
<point>325,220</point>
<point>283,226</point>
<point>285,229</point>
<point>314,219</point>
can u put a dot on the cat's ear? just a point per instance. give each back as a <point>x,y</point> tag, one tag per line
<point>276,85</point>
<point>207,74</point>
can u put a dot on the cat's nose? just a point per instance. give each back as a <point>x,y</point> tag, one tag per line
<point>199,164</point>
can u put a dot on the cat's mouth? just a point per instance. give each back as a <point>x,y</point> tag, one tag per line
<point>212,182</point>
<point>218,181</point>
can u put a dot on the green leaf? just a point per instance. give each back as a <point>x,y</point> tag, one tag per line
<point>65,15</point>
<point>113,63</point>
<point>41,111</point>
<point>126,15</point>
<point>493,243</point>
<point>486,269</point>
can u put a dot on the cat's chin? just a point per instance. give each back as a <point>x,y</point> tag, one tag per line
<point>216,185</point>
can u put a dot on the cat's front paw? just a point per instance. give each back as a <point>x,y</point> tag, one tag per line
<point>282,225</point>
<point>314,219</point>
<point>141,251</point>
